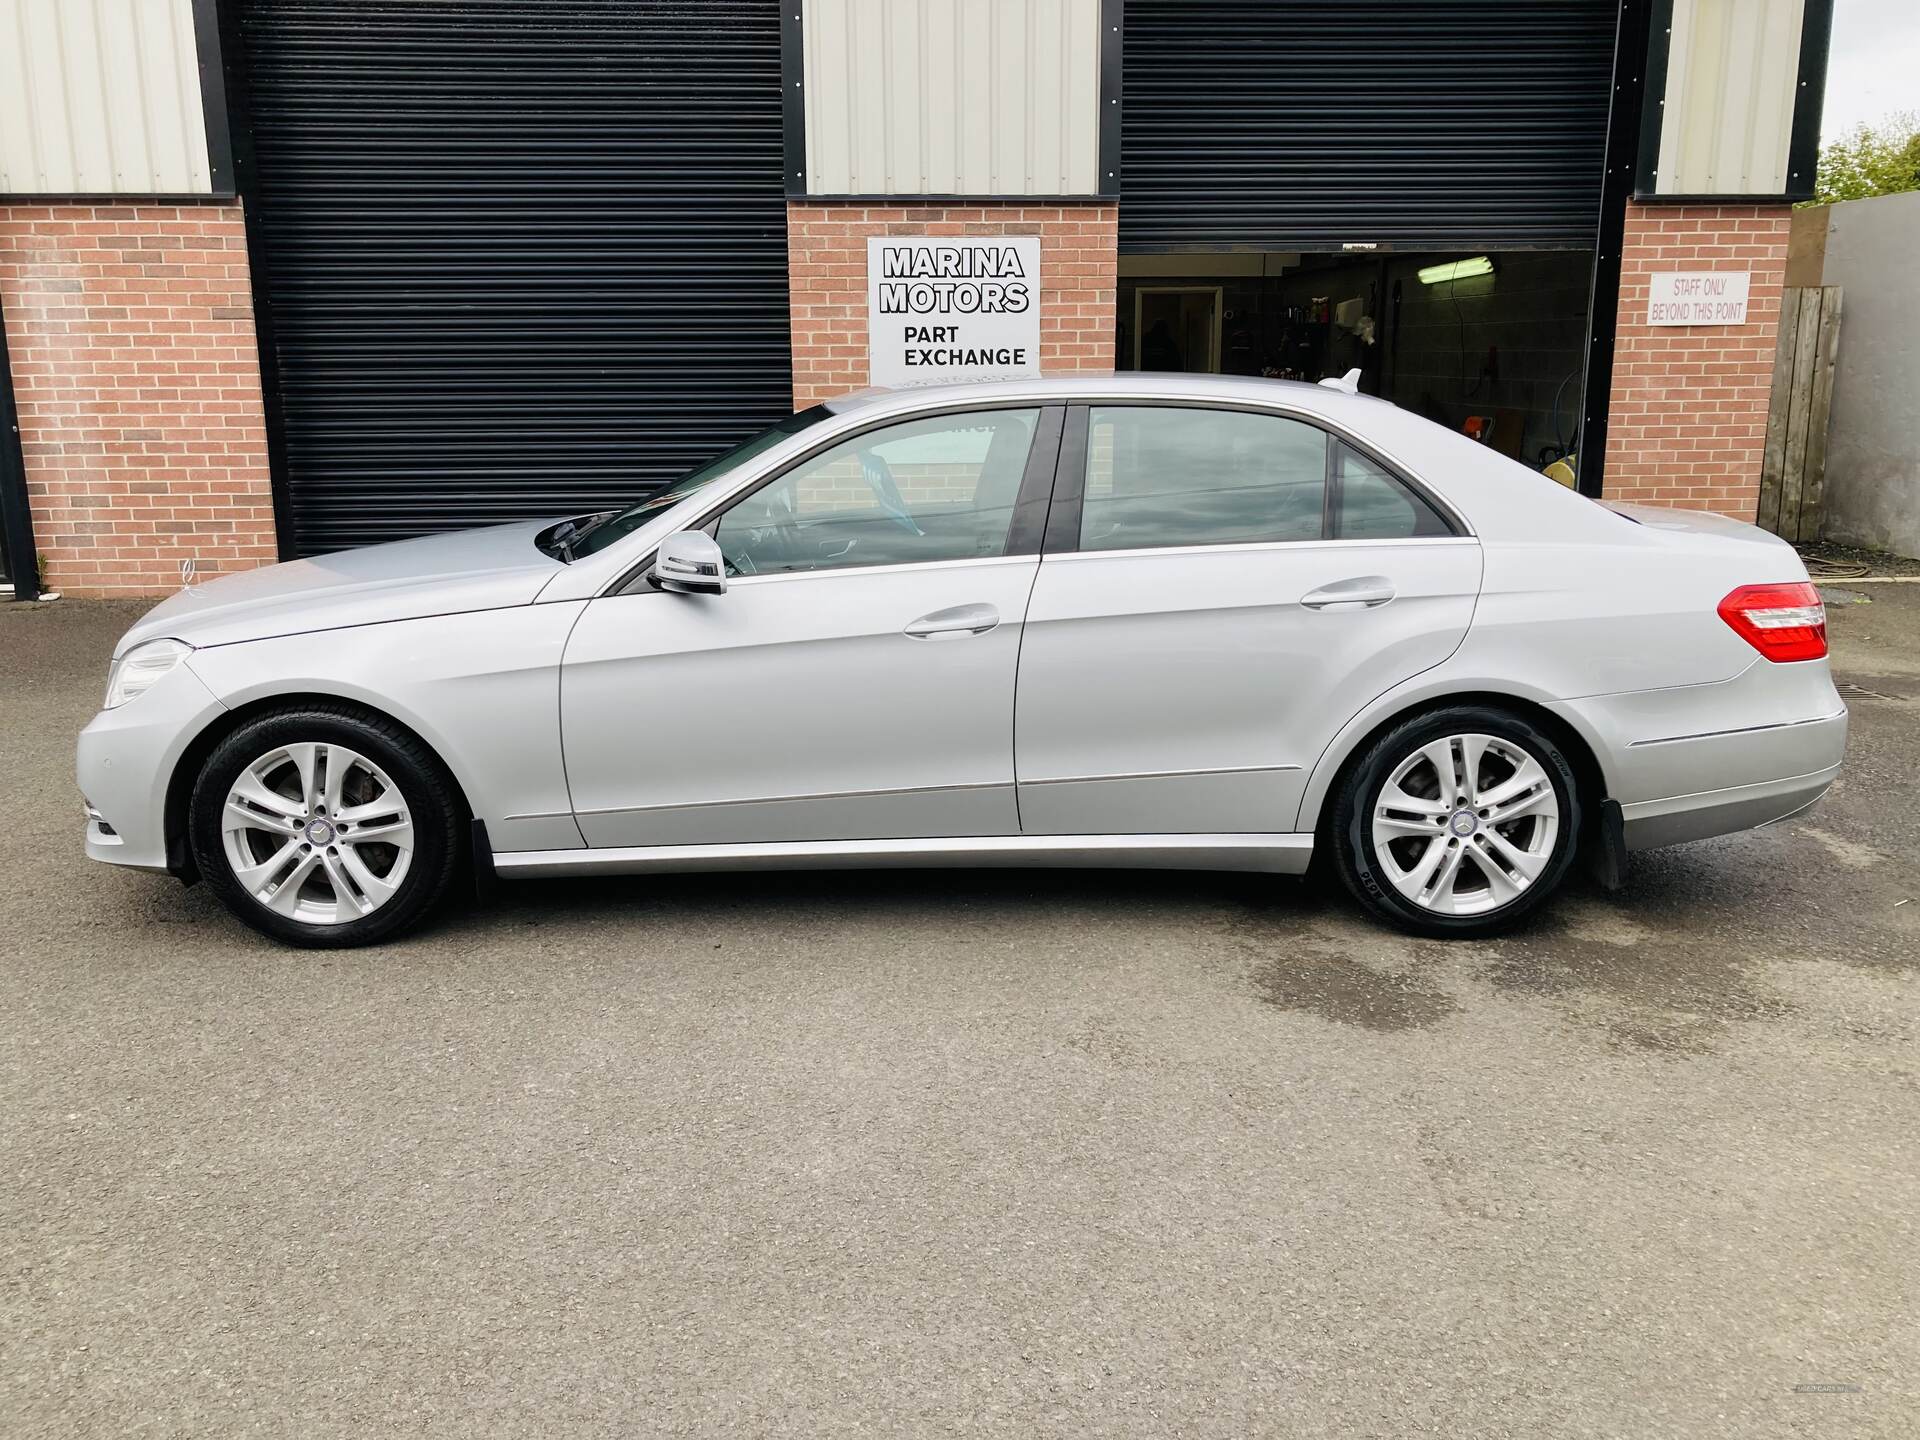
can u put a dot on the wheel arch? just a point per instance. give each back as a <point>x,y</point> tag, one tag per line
<point>1352,742</point>
<point>186,769</point>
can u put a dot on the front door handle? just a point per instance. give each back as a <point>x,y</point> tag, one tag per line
<point>1363,592</point>
<point>951,624</point>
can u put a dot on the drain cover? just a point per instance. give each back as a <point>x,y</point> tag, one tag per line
<point>1848,687</point>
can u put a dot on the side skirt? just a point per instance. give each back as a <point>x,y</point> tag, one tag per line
<point>1267,854</point>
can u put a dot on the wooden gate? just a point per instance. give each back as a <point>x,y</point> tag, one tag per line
<point>1793,474</point>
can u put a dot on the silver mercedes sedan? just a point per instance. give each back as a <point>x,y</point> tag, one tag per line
<point>1161,621</point>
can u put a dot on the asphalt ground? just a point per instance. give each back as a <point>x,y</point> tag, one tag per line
<point>945,1153</point>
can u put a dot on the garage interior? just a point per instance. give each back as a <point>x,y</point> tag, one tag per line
<point>1409,187</point>
<point>1490,343</point>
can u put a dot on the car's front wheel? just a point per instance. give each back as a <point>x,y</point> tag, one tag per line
<point>1457,822</point>
<point>325,827</point>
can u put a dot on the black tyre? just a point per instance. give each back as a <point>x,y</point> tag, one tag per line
<point>326,826</point>
<point>1457,822</point>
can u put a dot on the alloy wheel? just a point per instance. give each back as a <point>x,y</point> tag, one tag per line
<point>1465,824</point>
<point>317,833</point>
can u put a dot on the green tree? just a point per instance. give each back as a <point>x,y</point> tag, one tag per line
<point>1881,159</point>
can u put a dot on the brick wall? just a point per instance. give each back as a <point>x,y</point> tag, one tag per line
<point>130,330</point>
<point>1688,417</point>
<point>827,268</point>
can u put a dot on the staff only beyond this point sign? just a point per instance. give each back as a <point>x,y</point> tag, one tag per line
<point>941,309</point>
<point>1712,297</point>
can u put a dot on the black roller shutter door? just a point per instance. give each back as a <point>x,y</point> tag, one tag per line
<point>520,258</point>
<point>1310,126</point>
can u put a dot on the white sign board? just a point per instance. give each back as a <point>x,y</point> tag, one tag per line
<point>1708,297</point>
<point>942,309</point>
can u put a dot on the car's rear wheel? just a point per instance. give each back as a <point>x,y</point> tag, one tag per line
<point>325,827</point>
<point>1458,822</point>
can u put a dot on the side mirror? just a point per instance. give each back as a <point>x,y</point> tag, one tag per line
<point>690,562</point>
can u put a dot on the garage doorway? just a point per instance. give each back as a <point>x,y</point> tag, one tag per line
<point>1490,342</point>
<point>1177,330</point>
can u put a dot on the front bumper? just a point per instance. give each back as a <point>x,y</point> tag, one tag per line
<point>125,760</point>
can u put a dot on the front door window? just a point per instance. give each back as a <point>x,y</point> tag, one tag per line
<point>942,488</point>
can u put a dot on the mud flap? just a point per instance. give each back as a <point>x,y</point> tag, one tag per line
<point>485,881</point>
<point>1606,847</point>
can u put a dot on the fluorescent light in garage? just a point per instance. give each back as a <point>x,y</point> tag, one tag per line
<point>1457,270</point>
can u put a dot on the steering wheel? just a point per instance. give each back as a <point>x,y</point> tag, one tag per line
<point>775,539</point>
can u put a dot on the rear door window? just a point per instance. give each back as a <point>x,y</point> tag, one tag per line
<point>1161,475</point>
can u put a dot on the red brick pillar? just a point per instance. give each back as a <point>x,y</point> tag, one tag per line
<point>1687,419</point>
<point>130,329</point>
<point>827,271</point>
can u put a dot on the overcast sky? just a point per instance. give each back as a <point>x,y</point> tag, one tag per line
<point>1874,67</point>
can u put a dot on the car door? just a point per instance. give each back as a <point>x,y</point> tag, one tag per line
<point>855,679</point>
<point>1221,591</point>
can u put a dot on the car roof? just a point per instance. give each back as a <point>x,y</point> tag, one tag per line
<point>1491,494</point>
<point>1101,385</point>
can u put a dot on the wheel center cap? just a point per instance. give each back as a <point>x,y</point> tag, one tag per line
<point>319,832</point>
<point>1464,822</point>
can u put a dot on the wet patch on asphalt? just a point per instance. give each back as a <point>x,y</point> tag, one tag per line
<point>1658,990</point>
<point>1326,981</point>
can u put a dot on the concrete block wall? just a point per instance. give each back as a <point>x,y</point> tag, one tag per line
<point>135,370</point>
<point>1872,495</point>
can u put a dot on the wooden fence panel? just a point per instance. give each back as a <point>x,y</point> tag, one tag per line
<point>1793,472</point>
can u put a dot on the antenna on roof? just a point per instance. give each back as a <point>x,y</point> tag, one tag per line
<point>1349,382</point>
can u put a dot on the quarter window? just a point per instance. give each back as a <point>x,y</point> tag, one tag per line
<point>942,488</point>
<point>1370,503</point>
<point>1160,475</point>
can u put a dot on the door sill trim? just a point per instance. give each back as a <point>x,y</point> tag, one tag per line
<point>1274,854</point>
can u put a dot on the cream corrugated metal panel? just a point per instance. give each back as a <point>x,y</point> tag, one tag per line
<point>1732,72</point>
<point>101,97</point>
<point>952,97</point>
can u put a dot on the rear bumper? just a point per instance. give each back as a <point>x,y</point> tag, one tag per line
<point>1696,761</point>
<point>1679,818</point>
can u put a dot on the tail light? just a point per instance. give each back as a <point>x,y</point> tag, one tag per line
<point>1782,622</point>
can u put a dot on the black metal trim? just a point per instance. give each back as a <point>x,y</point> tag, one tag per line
<point>1809,100</point>
<point>16,512</point>
<point>213,94</point>
<point>1653,99</point>
<point>1366,252</point>
<point>1027,528</point>
<point>246,181</point>
<point>1772,197</point>
<point>1631,37</point>
<point>1112,93</point>
<point>908,199</point>
<point>793,95</point>
<point>124,197</point>
<point>1069,486</point>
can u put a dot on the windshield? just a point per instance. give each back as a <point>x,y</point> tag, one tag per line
<point>598,536</point>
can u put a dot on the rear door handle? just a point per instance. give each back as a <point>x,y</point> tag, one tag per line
<point>1363,592</point>
<point>953,623</point>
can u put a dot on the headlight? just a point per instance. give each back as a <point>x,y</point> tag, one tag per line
<point>142,667</point>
